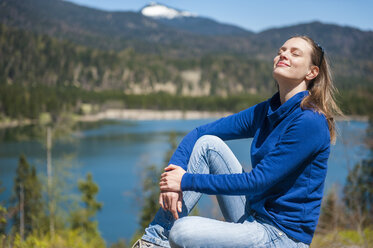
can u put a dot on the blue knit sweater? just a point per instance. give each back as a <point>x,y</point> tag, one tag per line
<point>289,156</point>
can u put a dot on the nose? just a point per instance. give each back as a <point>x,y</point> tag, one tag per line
<point>283,55</point>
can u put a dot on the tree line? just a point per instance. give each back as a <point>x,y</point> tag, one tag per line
<point>31,102</point>
<point>42,74</point>
<point>26,220</point>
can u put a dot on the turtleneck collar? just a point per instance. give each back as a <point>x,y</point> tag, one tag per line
<point>277,112</point>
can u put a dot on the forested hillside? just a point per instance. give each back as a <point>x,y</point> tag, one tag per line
<point>55,55</point>
<point>52,62</point>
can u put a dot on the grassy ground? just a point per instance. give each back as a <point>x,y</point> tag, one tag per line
<point>344,239</point>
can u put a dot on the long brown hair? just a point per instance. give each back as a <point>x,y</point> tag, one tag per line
<point>321,89</point>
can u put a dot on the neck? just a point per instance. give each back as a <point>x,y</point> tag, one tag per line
<point>287,91</point>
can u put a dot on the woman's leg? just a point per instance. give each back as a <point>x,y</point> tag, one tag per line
<point>197,231</point>
<point>210,155</point>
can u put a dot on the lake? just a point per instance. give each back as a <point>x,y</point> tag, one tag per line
<point>116,153</point>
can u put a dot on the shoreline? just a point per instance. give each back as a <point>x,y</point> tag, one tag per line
<point>363,118</point>
<point>146,114</point>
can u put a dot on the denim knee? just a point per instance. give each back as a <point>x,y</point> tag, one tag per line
<point>208,139</point>
<point>175,232</point>
<point>179,233</point>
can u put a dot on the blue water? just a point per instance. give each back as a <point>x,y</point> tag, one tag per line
<point>117,153</point>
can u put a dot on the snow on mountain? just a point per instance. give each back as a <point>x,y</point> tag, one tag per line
<point>156,10</point>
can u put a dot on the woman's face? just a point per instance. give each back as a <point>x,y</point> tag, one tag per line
<point>293,61</point>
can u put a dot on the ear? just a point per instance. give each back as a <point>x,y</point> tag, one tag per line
<point>314,71</point>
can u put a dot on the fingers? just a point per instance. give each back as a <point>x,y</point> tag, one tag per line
<point>166,185</point>
<point>168,173</point>
<point>173,207</point>
<point>165,202</point>
<point>180,203</point>
<point>164,176</point>
<point>172,201</point>
<point>163,186</point>
<point>171,167</point>
<point>161,201</point>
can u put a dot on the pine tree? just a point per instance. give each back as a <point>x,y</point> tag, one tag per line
<point>27,197</point>
<point>331,212</point>
<point>358,192</point>
<point>3,213</point>
<point>84,218</point>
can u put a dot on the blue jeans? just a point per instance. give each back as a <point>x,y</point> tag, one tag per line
<point>240,229</point>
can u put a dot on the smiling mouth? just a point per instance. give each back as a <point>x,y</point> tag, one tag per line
<point>282,64</point>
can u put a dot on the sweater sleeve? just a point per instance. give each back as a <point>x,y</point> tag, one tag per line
<point>236,126</point>
<point>301,140</point>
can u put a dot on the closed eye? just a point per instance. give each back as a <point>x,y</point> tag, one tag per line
<point>280,50</point>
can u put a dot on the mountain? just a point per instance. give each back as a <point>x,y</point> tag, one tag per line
<point>339,41</point>
<point>160,29</point>
<point>83,25</point>
<point>164,30</point>
<point>113,30</point>
<point>190,22</point>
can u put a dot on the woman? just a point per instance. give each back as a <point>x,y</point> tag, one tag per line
<point>276,204</point>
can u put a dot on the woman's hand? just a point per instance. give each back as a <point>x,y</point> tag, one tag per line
<point>170,185</point>
<point>171,201</point>
<point>171,179</point>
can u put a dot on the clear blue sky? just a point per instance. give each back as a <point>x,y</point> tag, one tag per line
<point>260,14</point>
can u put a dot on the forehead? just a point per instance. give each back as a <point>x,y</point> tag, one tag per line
<point>298,43</point>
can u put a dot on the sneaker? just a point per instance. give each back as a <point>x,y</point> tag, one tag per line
<point>140,243</point>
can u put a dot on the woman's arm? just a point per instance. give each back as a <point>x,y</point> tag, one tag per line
<point>236,126</point>
<point>240,125</point>
<point>304,138</point>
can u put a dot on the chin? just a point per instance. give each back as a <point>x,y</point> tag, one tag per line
<point>279,75</point>
<point>282,78</point>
